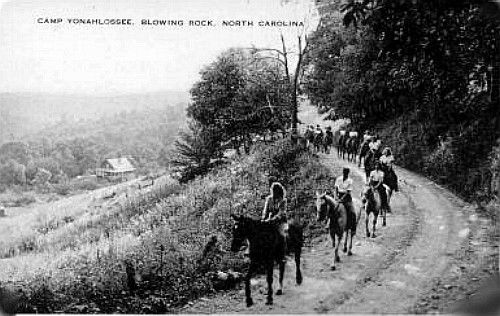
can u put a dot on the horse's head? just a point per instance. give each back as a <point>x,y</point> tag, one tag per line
<point>367,193</point>
<point>239,232</point>
<point>321,206</point>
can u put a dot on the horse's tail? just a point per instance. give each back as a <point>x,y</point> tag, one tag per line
<point>296,233</point>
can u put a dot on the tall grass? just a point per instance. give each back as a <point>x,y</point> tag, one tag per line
<point>78,220</point>
<point>155,262</point>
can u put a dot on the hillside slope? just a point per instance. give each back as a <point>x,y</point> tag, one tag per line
<point>435,253</point>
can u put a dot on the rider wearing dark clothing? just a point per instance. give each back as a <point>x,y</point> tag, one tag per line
<point>370,161</point>
<point>329,135</point>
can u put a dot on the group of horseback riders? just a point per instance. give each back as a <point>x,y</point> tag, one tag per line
<point>378,166</point>
<point>319,140</point>
<point>275,234</point>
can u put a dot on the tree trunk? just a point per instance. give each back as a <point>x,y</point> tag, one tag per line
<point>495,92</point>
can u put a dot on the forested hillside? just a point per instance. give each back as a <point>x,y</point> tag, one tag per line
<point>423,74</point>
<point>76,147</point>
<point>26,113</point>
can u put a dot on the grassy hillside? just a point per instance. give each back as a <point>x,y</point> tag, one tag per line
<point>158,239</point>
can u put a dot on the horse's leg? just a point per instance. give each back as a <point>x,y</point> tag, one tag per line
<point>367,218</point>
<point>248,293</point>
<point>389,196</point>
<point>345,240</point>
<point>337,258</point>
<point>384,214</point>
<point>269,270</point>
<point>375,218</point>
<point>332,235</point>
<point>298,273</point>
<point>349,253</point>
<point>282,273</point>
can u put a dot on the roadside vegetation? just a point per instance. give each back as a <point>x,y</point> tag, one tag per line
<point>423,75</point>
<point>156,260</point>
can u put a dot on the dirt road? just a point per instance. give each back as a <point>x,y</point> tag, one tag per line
<point>434,251</point>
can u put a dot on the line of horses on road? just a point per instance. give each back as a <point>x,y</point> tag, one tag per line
<point>267,247</point>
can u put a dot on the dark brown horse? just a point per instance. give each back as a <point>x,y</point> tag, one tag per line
<point>363,150</point>
<point>340,144</point>
<point>267,247</point>
<point>340,221</point>
<point>327,142</point>
<point>318,141</point>
<point>391,182</point>
<point>352,148</point>
<point>372,205</point>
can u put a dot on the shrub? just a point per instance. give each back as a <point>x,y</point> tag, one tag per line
<point>166,236</point>
<point>87,185</point>
<point>17,199</point>
<point>62,188</point>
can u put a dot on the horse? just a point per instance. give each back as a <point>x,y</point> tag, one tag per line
<point>340,143</point>
<point>372,204</point>
<point>343,146</point>
<point>340,221</point>
<point>376,201</point>
<point>363,150</point>
<point>391,182</point>
<point>352,148</point>
<point>318,140</point>
<point>267,246</point>
<point>327,142</point>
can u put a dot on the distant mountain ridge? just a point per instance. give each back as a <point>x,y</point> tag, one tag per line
<point>22,114</point>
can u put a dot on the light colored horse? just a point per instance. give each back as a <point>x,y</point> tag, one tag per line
<point>340,221</point>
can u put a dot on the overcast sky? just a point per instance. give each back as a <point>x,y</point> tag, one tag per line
<point>57,58</point>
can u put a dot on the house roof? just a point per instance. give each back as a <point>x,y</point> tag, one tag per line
<point>120,164</point>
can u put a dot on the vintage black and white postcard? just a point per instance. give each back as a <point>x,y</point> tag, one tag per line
<point>249,156</point>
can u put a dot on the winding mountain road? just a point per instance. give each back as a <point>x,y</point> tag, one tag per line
<point>434,252</point>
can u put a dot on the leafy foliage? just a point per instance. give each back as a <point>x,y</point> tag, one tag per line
<point>76,148</point>
<point>429,67</point>
<point>161,244</point>
<point>239,96</point>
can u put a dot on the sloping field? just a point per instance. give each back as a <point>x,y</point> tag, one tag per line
<point>142,250</point>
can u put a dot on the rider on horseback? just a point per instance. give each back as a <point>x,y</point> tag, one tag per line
<point>387,158</point>
<point>309,135</point>
<point>318,130</point>
<point>275,208</point>
<point>366,136</point>
<point>377,182</point>
<point>343,188</point>
<point>390,179</point>
<point>328,141</point>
